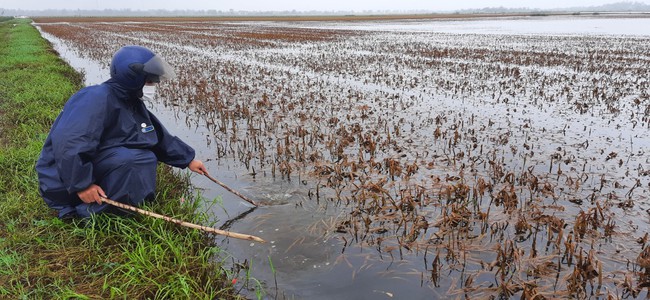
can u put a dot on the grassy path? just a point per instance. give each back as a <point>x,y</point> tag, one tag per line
<point>112,257</point>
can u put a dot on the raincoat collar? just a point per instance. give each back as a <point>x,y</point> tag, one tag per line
<point>123,93</point>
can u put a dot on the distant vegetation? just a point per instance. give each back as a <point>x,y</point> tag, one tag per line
<point>2,18</point>
<point>613,7</point>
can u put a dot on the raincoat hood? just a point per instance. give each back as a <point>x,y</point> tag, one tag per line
<point>132,66</point>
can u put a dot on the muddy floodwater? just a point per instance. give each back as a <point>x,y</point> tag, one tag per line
<point>419,159</point>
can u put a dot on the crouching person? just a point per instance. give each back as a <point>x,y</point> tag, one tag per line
<point>106,144</point>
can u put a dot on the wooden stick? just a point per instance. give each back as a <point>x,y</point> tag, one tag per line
<point>183,223</point>
<point>231,190</point>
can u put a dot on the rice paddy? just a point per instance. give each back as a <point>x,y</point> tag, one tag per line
<point>412,163</point>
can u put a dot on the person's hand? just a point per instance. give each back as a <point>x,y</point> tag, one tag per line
<point>93,193</point>
<point>197,166</point>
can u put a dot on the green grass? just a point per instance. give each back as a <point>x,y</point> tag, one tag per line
<point>113,257</point>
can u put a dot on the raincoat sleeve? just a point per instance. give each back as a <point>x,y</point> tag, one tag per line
<point>170,149</point>
<point>76,136</point>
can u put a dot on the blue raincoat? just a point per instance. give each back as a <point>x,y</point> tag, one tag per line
<point>105,135</point>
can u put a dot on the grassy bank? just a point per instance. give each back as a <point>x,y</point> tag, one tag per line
<point>112,257</point>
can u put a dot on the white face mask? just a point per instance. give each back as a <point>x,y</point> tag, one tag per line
<point>148,92</point>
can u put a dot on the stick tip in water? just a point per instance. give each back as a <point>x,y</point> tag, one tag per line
<point>254,238</point>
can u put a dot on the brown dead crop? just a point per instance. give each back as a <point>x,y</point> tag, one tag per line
<point>486,154</point>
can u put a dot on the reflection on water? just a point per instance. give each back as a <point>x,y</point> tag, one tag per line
<point>553,25</point>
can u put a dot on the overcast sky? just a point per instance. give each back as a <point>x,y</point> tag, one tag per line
<point>299,5</point>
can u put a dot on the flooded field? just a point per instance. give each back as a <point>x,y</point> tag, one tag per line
<point>412,160</point>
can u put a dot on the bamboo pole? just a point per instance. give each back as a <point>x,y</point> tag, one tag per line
<point>230,190</point>
<point>183,223</point>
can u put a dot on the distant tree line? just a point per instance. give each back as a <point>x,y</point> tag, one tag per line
<point>613,7</point>
<point>189,12</point>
